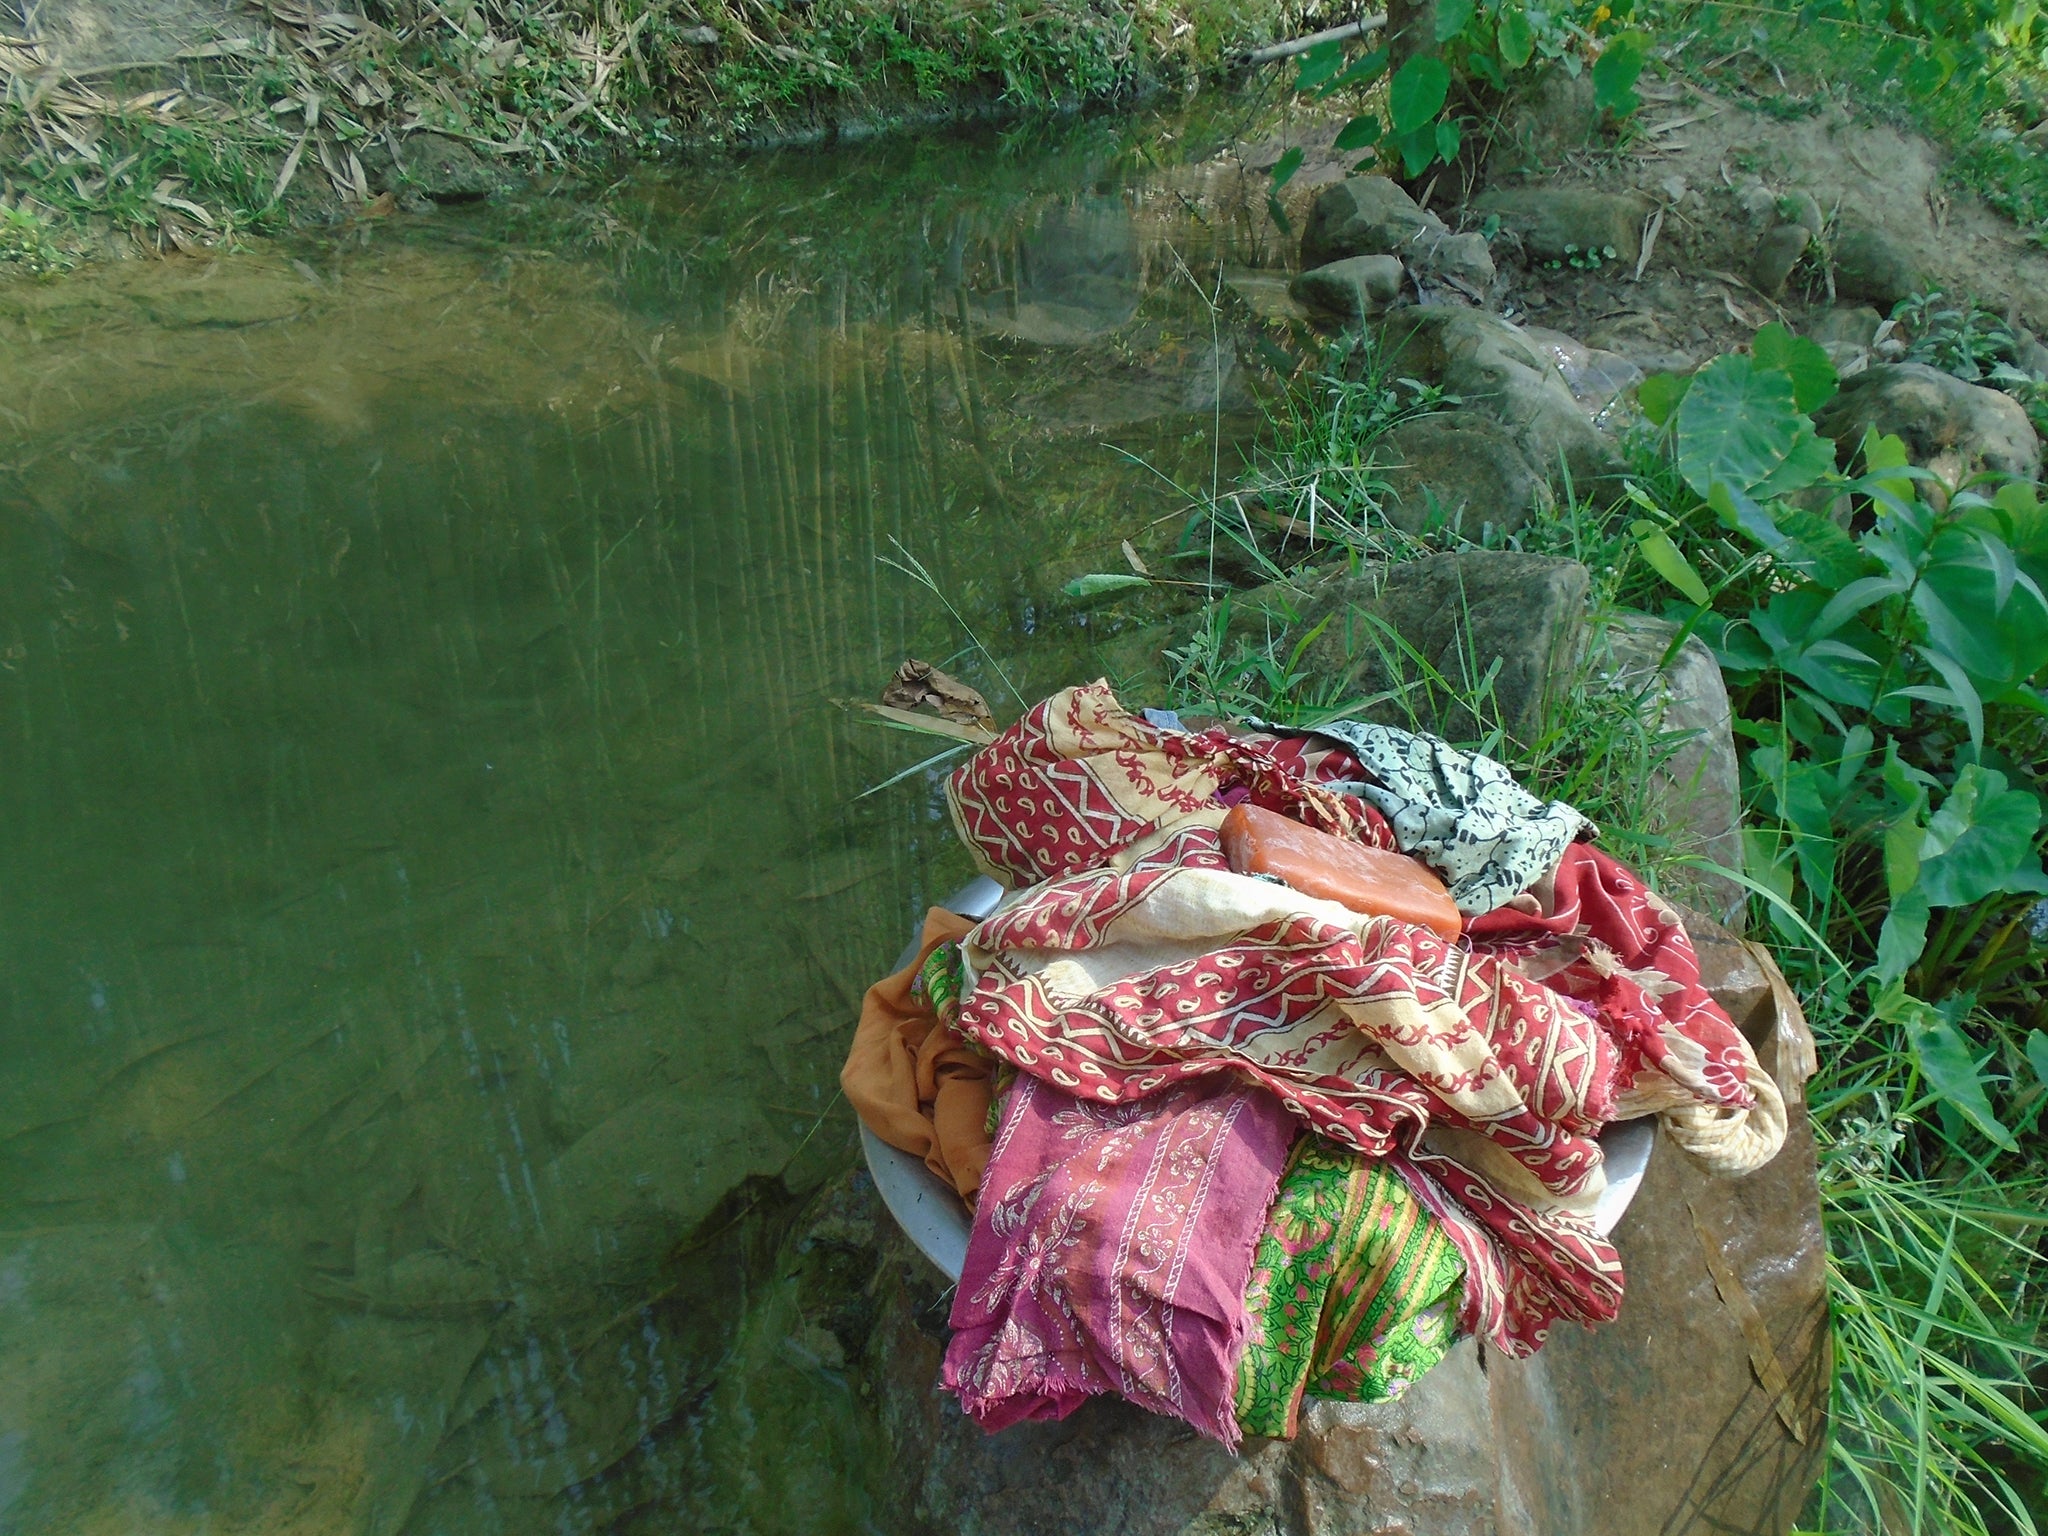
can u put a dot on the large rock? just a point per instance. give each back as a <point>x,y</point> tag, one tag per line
<point>1459,617</point>
<point>1771,264</point>
<point>1564,223</point>
<point>1370,216</point>
<point>446,170</point>
<point>1695,797</point>
<point>1652,1426</point>
<point>1491,366</point>
<point>1460,470</point>
<point>1952,427</point>
<point>1356,288</point>
<point>1555,117</point>
<point>1871,266</point>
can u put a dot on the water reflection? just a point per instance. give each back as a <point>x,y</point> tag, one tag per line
<point>436,884</point>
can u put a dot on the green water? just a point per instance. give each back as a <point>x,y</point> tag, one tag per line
<point>435,879</point>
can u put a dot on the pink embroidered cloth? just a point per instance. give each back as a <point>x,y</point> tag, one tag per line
<point>1110,1252</point>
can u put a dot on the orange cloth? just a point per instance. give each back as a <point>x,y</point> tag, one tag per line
<point>1375,881</point>
<point>916,1083</point>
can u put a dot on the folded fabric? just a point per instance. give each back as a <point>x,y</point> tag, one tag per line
<point>912,1077</point>
<point>1461,813</point>
<point>1110,1253</point>
<point>1482,1072</point>
<point>1354,1290</point>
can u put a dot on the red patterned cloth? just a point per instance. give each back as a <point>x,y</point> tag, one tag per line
<point>1483,1068</point>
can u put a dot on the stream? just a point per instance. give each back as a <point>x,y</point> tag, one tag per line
<point>439,862</point>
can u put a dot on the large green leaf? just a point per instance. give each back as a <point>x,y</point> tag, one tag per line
<point>1801,360</point>
<point>1615,72</point>
<point>1980,841</point>
<point>1668,561</point>
<point>2037,1055</point>
<point>1416,94</point>
<point>1285,167</point>
<point>1517,39</point>
<point>1319,65</point>
<point>1452,16</point>
<point>1949,1067</point>
<point>1741,424</point>
<point>1362,132</point>
<point>1903,938</point>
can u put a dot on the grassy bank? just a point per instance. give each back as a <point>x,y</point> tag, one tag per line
<point>311,116</point>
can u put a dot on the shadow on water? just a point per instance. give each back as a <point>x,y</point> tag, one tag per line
<point>435,887</point>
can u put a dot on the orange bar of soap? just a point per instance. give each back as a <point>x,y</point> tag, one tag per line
<point>1368,880</point>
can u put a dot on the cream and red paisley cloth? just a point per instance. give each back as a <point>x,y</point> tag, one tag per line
<point>1131,962</point>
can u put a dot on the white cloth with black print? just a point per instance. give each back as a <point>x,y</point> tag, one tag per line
<point>1460,813</point>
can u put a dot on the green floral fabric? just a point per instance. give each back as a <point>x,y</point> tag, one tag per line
<point>1354,1291</point>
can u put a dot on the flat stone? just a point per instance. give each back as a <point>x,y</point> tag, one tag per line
<point>1356,288</point>
<point>1464,615</point>
<point>1770,268</point>
<point>1461,470</point>
<point>1695,798</point>
<point>1492,367</point>
<point>1953,427</point>
<point>1870,265</point>
<point>1558,223</point>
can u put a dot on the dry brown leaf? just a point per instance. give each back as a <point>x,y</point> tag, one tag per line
<point>918,684</point>
<point>1763,1355</point>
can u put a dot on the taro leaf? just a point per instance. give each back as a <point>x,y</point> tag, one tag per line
<point>1285,167</point>
<point>1659,394</point>
<point>1812,458</point>
<point>1979,611</point>
<point>1360,133</point>
<point>1903,938</point>
<point>1615,72</point>
<point>1416,94</point>
<point>2037,1055</point>
<point>1902,840</point>
<point>1950,1068</point>
<point>1980,841</point>
<point>1319,64</point>
<point>1669,561</point>
<point>1821,545</point>
<point>1452,17</point>
<point>1517,37</point>
<point>1801,360</point>
<point>1736,510</point>
<point>1418,149</point>
<point>1099,582</point>
<point>1448,137</point>
<point>1738,423</point>
<point>1362,71</point>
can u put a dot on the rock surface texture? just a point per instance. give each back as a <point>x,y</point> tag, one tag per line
<point>1954,428</point>
<point>1558,223</point>
<point>1356,288</point>
<point>1458,470</point>
<point>1653,1426</point>
<point>1370,216</point>
<point>1494,369</point>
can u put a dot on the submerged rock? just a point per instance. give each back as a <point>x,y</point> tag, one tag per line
<point>1954,428</point>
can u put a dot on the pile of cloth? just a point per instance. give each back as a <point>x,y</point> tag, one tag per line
<point>1229,1145</point>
